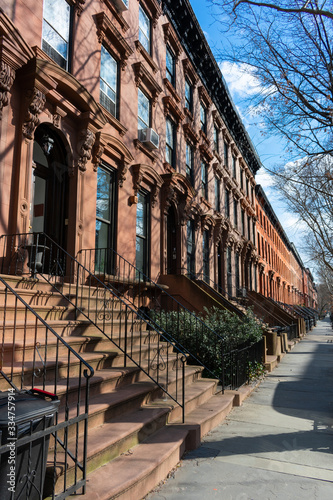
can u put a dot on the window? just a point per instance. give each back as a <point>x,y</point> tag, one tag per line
<point>108,82</point>
<point>57,19</point>
<point>237,281</point>
<point>226,154</point>
<point>249,228</point>
<point>106,210</point>
<point>234,172</point>
<point>189,163</point>
<point>190,247</point>
<point>204,180</point>
<point>170,142</point>
<point>205,255</point>
<point>188,95</point>
<point>247,187</point>
<point>170,66</point>
<point>144,30</point>
<point>143,110</point>
<point>203,118</point>
<point>229,272</point>
<point>242,178</point>
<point>227,203</point>
<point>243,222</point>
<point>235,213</point>
<point>142,232</point>
<point>217,195</point>
<point>216,138</point>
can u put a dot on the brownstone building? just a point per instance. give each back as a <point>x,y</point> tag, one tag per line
<point>117,133</point>
<point>282,274</point>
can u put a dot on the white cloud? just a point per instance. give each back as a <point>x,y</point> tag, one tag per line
<point>264,178</point>
<point>240,79</point>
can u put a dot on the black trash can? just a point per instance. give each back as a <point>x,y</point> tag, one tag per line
<point>22,468</point>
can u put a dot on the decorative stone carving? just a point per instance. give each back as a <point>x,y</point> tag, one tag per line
<point>122,170</point>
<point>78,6</point>
<point>98,151</point>
<point>86,142</point>
<point>36,101</point>
<point>7,76</point>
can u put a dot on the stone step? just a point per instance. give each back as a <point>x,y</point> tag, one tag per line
<point>139,469</point>
<point>113,357</point>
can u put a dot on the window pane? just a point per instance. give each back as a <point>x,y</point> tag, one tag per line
<point>144,29</point>
<point>170,66</point>
<point>109,70</point>
<point>57,15</point>
<point>108,81</point>
<point>143,110</point>
<point>188,95</point>
<point>103,195</point>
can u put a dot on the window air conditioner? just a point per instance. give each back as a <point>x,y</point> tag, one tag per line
<point>149,138</point>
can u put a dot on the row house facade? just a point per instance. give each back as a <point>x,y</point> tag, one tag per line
<point>118,131</point>
<point>282,275</point>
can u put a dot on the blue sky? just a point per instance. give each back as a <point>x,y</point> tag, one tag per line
<point>270,149</point>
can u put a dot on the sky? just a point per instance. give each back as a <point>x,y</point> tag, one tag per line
<point>269,149</point>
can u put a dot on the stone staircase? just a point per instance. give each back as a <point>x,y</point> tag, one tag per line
<point>135,431</point>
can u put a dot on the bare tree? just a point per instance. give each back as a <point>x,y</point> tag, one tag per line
<point>288,46</point>
<point>287,6</point>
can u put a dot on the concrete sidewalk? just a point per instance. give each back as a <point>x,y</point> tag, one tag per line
<point>278,444</point>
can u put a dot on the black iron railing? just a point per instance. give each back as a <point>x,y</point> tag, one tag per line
<point>152,350</point>
<point>243,364</point>
<point>163,311</point>
<point>37,358</point>
<point>153,301</point>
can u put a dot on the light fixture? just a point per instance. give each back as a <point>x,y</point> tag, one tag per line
<point>47,144</point>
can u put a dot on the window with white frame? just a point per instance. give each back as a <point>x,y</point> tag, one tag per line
<point>109,82</point>
<point>57,19</point>
<point>144,29</point>
<point>143,110</point>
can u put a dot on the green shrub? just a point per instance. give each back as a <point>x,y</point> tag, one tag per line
<point>208,335</point>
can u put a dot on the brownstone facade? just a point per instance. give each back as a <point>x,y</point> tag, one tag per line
<point>117,131</point>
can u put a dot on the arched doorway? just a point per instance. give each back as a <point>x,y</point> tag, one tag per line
<point>171,242</point>
<point>49,206</point>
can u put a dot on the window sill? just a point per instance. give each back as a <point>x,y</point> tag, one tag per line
<point>140,48</point>
<point>168,168</point>
<point>139,145</point>
<point>114,122</point>
<point>172,90</point>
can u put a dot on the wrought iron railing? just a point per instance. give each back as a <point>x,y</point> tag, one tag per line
<point>243,363</point>
<point>217,290</point>
<point>152,350</point>
<point>35,357</point>
<point>163,310</point>
<point>152,300</point>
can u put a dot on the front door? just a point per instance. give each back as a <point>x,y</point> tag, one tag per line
<point>171,242</point>
<point>49,208</point>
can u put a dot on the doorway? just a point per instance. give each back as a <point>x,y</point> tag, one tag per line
<point>171,242</point>
<point>50,185</point>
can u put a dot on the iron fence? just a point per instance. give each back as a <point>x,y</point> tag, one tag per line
<point>35,357</point>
